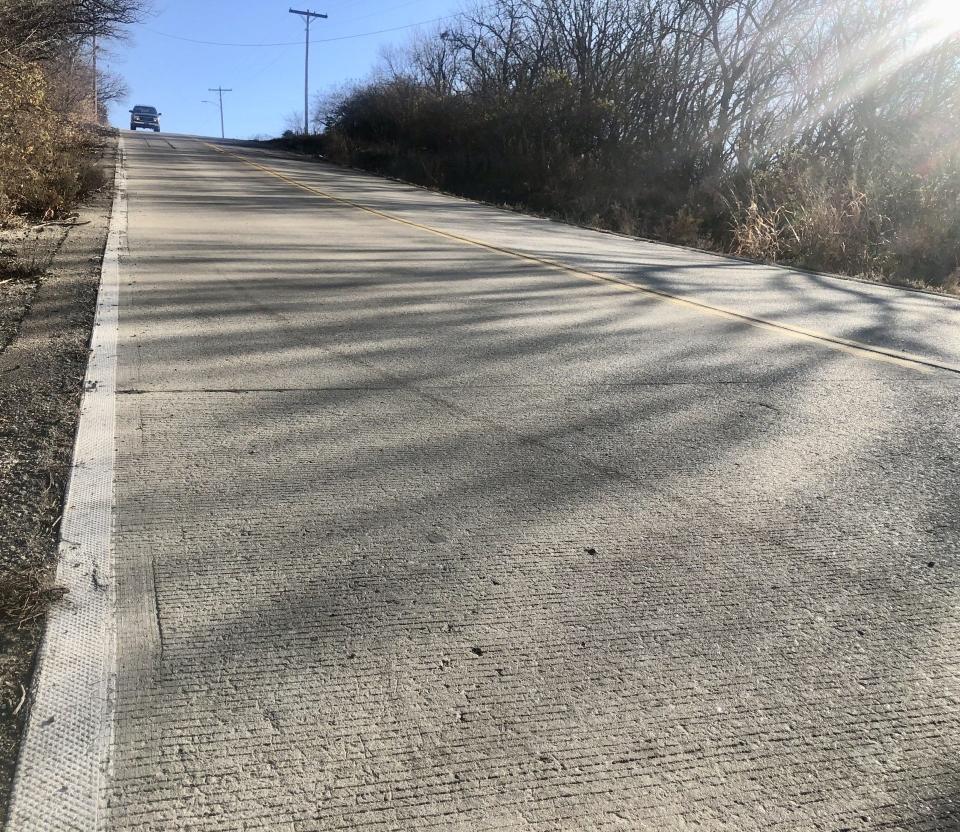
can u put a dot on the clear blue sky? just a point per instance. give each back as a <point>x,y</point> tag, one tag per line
<point>173,75</point>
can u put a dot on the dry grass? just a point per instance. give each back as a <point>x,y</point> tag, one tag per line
<point>894,229</point>
<point>18,269</point>
<point>27,595</point>
<point>27,251</point>
<point>45,155</point>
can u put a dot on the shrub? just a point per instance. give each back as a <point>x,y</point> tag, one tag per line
<point>773,133</point>
<point>44,166</point>
<point>896,226</point>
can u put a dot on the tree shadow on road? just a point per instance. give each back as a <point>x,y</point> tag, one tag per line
<point>433,528</point>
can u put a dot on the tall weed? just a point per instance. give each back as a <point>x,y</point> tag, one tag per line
<point>44,154</point>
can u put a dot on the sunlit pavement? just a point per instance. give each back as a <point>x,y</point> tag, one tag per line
<point>415,533</point>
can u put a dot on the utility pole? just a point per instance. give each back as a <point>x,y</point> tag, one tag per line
<point>96,83</point>
<point>307,16</point>
<point>220,91</point>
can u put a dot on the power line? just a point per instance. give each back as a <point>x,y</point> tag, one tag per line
<point>298,42</point>
<point>258,70</point>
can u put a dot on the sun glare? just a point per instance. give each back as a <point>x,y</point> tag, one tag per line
<point>943,16</point>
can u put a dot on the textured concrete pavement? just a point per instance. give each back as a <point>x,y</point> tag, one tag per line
<point>416,534</point>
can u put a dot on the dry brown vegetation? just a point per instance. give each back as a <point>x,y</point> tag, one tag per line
<point>820,133</point>
<point>52,155</point>
<point>47,102</point>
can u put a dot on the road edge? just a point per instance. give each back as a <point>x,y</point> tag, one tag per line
<point>528,212</point>
<point>64,754</point>
<point>861,349</point>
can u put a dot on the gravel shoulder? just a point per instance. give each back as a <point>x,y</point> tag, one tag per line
<point>46,315</point>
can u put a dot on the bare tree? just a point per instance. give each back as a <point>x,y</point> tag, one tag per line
<point>644,109</point>
<point>39,29</point>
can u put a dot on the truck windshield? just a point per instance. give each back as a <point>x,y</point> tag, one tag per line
<point>150,111</point>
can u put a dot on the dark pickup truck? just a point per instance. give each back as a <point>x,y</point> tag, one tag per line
<point>146,117</point>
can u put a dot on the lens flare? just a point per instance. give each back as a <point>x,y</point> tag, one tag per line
<point>942,16</point>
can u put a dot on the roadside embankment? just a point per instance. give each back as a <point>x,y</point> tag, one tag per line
<point>49,276</point>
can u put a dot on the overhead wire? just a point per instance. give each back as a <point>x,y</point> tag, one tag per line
<point>381,12</point>
<point>300,42</point>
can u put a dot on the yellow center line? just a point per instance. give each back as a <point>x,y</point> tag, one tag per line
<point>844,345</point>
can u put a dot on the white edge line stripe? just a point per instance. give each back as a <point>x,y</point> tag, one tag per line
<point>63,756</point>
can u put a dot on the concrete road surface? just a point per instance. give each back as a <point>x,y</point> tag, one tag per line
<point>427,520</point>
